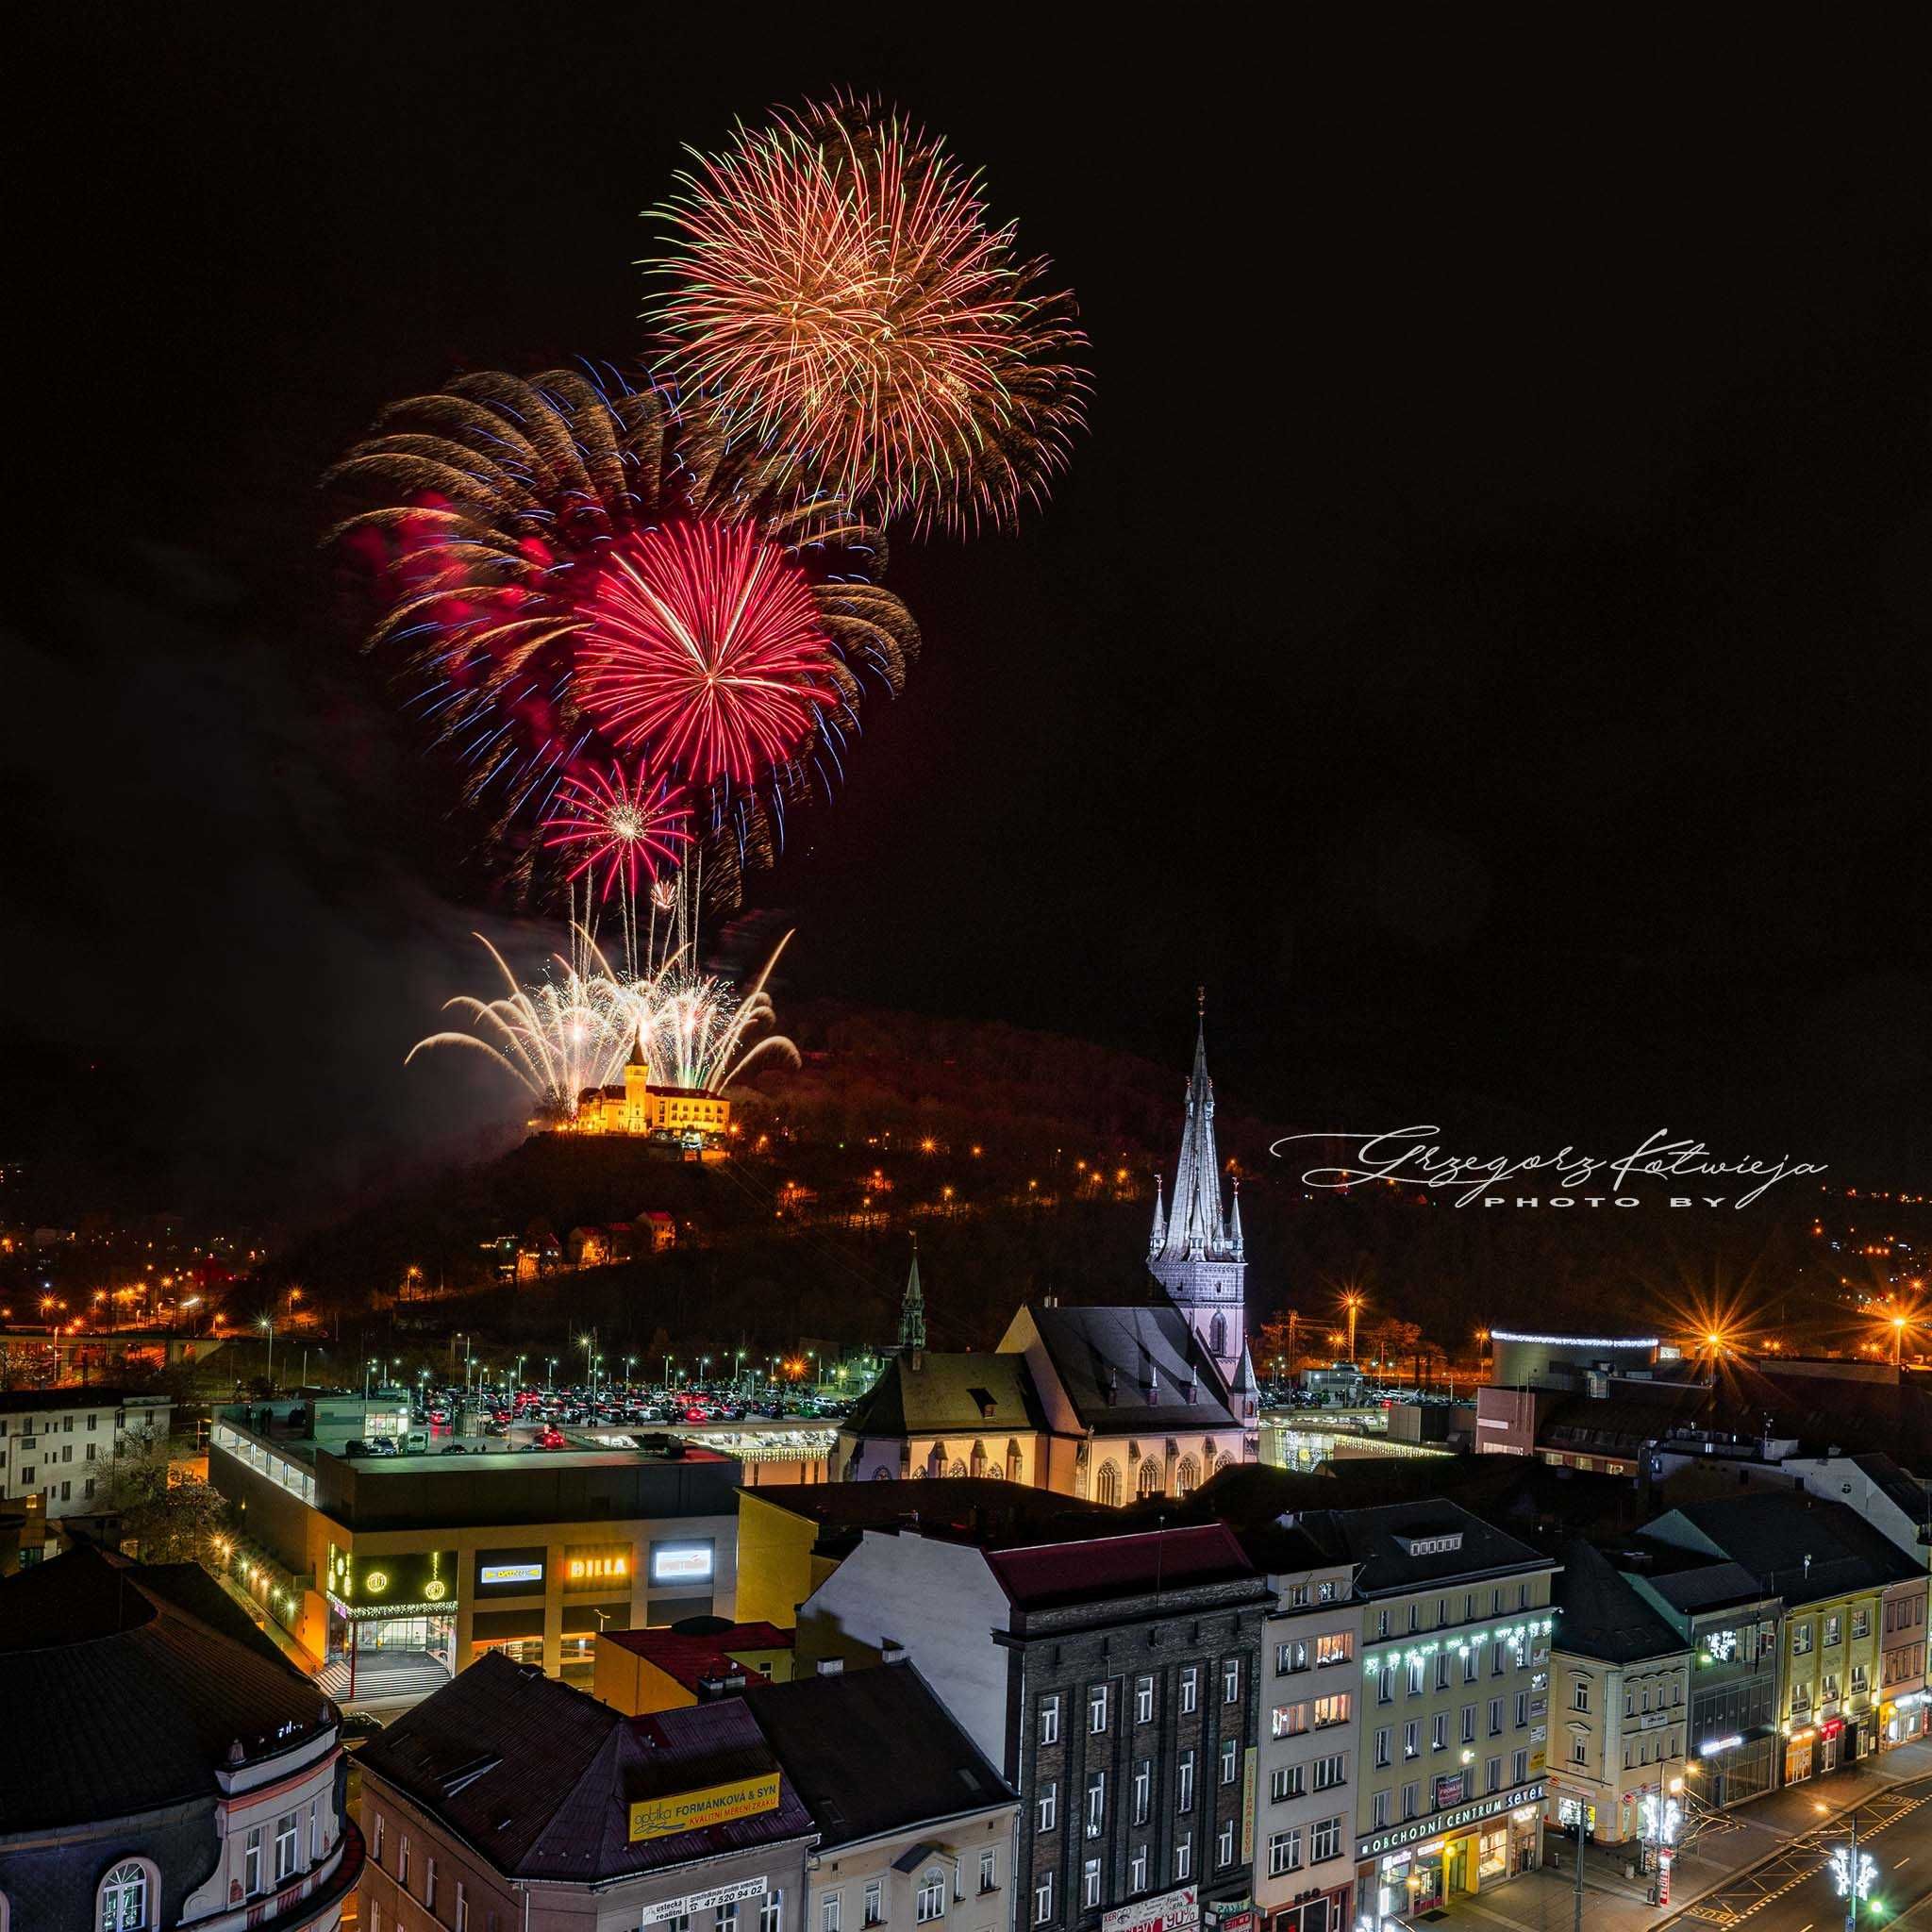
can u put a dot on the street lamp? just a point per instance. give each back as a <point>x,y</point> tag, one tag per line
<point>1351,1301</point>
<point>268,1321</point>
<point>1661,1818</point>
<point>1852,1871</point>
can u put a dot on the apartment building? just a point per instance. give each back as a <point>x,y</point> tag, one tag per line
<point>1620,1683</point>
<point>60,1445</point>
<point>1454,1622</point>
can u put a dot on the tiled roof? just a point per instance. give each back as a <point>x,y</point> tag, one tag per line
<point>538,1777</point>
<point>33,1401</point>
<point>147,1690</point>
<point>1602,1617</point>
<point>1803,1548</point>
<point>1699,1583</point>
<point>874,1751</point>
<point>1046,1574</point>
<point>1125,1370</point>
<point>958,1394</point>
<point>1376,1542</point>
<point>959,1509</point>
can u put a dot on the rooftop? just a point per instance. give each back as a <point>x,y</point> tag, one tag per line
<point>539,1778</point>
<point>932,1392</point>
<point>1602,1616</point>
<point>1406,1546</point>
<point>154,1680</point>
<point>692,1657</point>
<point>76,1395</point>
<point>1127,1369</point>
<point>1800,1547</point>
<point>976,1509</point>
<point>874,1751</point>
<point>1049,1575</point>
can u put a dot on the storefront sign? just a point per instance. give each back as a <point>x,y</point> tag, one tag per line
<point>1420,1828</point>
<point>1716,1747</point>
<point>511,1573</point>
<point>1248,1805</point>
<point>703,1901</point>
<point>1173,1912</point>
<point>712,1805</point>
<point>681,1562</point>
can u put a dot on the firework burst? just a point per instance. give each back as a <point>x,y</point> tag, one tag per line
<point>504,520</point>
<point>627,825</point>
<point>834,285</point>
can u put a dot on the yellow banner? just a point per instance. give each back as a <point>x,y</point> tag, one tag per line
<point>713,1804</point>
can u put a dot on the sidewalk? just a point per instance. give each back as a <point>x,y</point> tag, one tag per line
<point>1545,1901</point>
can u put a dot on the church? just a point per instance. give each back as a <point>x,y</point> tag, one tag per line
<point>1111,1403</point>
<point>685,1115</point>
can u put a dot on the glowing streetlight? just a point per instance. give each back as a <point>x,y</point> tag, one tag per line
<point>1353,1303</point>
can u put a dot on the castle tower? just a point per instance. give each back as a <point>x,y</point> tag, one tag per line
<point>637,1087</point>
<point>1195,1250</point>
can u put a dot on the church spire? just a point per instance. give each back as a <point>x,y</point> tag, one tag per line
<point>1234,1222</point>
<point>1159,1233</point>
<point>913,1311</point>
<point>638,1057</point>
<point>1196,1227</point>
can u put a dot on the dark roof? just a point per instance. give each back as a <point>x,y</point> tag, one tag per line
<point>1690,1580</point>
<point>1910,1492</point>
<point>976,1509</point>
<point>538,1777</point>
<point>874,1751</point>
<point>692,1657</point>
<point>1046,1574</point>
<point>967,1395</point>
<point>1104,1358</point>
<point>147,1688</point>
<point>1803,1547</point>
<point>1620,1424</point>
<point>27,1401</point>
<point>1602,1617</point>
<point>1375,1540</point>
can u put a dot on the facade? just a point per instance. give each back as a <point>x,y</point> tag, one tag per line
<point>1454,1630</point>
<point>1304,1832</point>
<point>58,1446</point>
<point>508,1802</point>
<point>1730,1623</point>
<point>1108,1403</point>
<point>1902,1664</point>
<point>396,1572</point>
<point>1110,1679</point>
<point>915,1825</point>
<point>688,1115</point>
<point>185,1776</point>
<point>1832,1571</point>
<point>1619,1680</point>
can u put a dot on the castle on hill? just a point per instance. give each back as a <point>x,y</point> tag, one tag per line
<point>687,1116</point>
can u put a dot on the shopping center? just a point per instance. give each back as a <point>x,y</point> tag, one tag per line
<point>394,1572</point>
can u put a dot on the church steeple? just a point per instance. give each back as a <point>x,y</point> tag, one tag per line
<point>1155,1240</point>
<point>913,1311</point>
<point>1196,1228</point>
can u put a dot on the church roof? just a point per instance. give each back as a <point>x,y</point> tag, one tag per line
<point>962,1393</point>
<point>1125,1370</point>
<point>1194,1224</point>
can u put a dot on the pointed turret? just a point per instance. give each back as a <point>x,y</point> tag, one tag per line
<point>1159,1236</point>
<point>1196,1228</point>
<point>1234,1225</point>
<point>913,1311</point>
<point>638,1057</point>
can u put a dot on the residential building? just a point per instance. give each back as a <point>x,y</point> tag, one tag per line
<point>395,1571</point>
<point>1729,1621</point>
<point>166,1766</point>
<point>1112,1681</point>
<point>1902,1663</point>
<point>1453,1625</point>
<point>915,1826</point>
<point>1618,1702</point>
<point>638,1670</point>
<point>1307,1769</point>
<point>60,1445</point>
<point>1832,1570</point>
<point>1108,1403</point>
<point>509,1801</point>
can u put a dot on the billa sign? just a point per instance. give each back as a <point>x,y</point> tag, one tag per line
<point>712,1805</point>
<point>1173,1912</point>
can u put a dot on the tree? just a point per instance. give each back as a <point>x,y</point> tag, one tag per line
<point>167,1521</point>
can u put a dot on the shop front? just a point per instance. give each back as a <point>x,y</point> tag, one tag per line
<point>1420,1867</point>
<point>391,1622</point>
<point>1904,1718</point>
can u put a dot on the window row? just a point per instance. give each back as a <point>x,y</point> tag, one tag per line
<point>1445,1791</point>
<point>1093,1879</point>
<point>1100,1700</point>
<point>1285,1847</point>
<point>1472,1609</point>
<point>1297,1653</point>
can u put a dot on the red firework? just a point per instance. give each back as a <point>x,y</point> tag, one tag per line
<point>628,826</point>
<point>705,646</point>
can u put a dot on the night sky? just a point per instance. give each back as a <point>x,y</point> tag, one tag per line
<point>1484,636</point>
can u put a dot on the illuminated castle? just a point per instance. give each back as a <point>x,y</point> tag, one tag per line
<point>686,1114</point>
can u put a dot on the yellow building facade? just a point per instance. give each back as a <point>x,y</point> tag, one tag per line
<point>640,1108</point>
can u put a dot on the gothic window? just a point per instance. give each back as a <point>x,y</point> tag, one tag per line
<point>1186,1476</point>
<point>1223,1461</point>
<point>1150,1483</point>
<point>1217,1334</point>
<point>1108,1488</point>
<point>957,1469</point>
